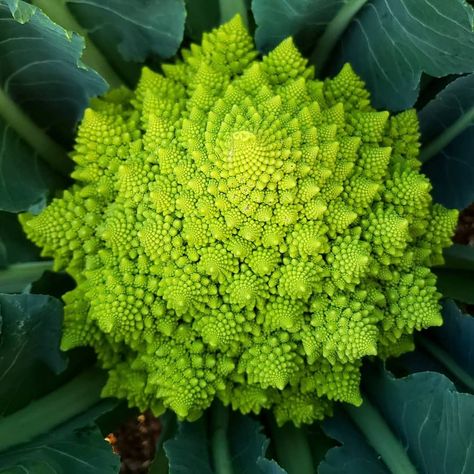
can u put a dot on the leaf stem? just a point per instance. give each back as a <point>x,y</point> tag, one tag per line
<point>58,12</point>
<point>219,444</point>
<point>380,437</point>
<point>333,32</point>
<point>447,136</point>
<point>230,9</point>
<point>15,277</point>
<point>293,452</point>
<point>442,356</point>
<point>46,147</point>
<point>51,411</point>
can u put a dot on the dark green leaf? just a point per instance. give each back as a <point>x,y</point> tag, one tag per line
<point>126,35</point>
<point>169,426</point>
<point>18,277</point>
<point>152,27</point>
<point>291,447</point>
<point>248,446</point>
<point>456,284</point>
<point>456,335</point>
<point>355,456</point>
<point>188,452</point>
<point>23,11</point>
<point>202,16</point>
<point>75,447</point>
<point>451,168</point>
<point>391,42</point>
<point>447,349</point>
<point>25,180</point>
<point>29,346</point>
<point>451,103</point>
<point>16,247</point>
<point>417,361</point>
<point>81,452</point>
<point>432,420</point>
<point>304,19</point>
<point>319,443</point>
<point>42,71</point>
<point>459,256</point>
<point>269,466</point>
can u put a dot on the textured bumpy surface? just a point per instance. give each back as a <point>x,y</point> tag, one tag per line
<point>243,231</point>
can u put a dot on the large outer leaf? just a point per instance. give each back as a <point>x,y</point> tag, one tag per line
<point>433,422</point>
<point>249,446</point>
<point>29,347</point>
<point>17,278</point>
<point>41,69</point>
<point>456,284</point>
<point>459,256</point>
<point>126,36</point>
<point>14,246</point>
<point>355,456</point>
<point>391,42</point>
<point>151,27</point>
<point>168,428</point>
<point>20,264</point>
<point>25,180</point>
<point>201,16</point>
<point>452,169</point>
<point>75,447</point>
<point>432,419</point>
<point>447,349</point>
<point>304,19</point>
<point>29,360</point>
<point>190,451</point>
<point>456,335</point>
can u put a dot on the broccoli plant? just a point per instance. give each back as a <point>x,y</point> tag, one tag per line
<point>251,227</point>
<point>239,229</point>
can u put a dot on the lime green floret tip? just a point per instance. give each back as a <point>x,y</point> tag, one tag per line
<point>240,230</point>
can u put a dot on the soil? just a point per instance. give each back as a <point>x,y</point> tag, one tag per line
<point>465,231</point>
<point>135,442</point>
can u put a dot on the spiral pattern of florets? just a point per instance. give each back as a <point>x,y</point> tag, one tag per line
<point>239,230</point>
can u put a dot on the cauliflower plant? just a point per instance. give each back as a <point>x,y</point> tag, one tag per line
<point>240,230</point>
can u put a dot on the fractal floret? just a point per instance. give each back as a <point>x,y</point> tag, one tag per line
<point>239,230</point>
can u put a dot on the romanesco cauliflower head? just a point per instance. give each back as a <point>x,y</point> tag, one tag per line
<point>239,230</point>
